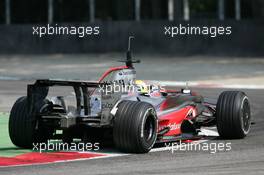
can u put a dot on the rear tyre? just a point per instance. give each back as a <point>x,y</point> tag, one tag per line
<point>233,115</point>
<point>135,127</point>
<point>22,127</point>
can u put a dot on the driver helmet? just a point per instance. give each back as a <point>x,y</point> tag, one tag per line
<point>142,87</point>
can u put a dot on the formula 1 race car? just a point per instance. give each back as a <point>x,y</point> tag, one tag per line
<point>130,112</point>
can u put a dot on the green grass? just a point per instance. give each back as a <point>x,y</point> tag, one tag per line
<point>7,148</point>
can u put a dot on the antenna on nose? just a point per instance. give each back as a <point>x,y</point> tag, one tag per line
<point>129,42</point>
<point>129,61</point>
<point>129,54</point>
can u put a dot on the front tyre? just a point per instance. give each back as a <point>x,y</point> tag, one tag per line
<point>135,127</point>
<point>233,115</point>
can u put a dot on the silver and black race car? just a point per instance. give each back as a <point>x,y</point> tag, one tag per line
<point>135,116</point>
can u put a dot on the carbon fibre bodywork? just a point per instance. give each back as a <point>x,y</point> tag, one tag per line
<point>178,112</point>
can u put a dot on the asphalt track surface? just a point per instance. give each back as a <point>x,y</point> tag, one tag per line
<point>245,157</point>
<point>152,67</point>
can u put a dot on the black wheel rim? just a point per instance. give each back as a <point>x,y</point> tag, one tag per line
<point>149,127</point>
<point>245,118</point>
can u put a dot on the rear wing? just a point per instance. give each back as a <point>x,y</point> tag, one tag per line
<point>38,91</point>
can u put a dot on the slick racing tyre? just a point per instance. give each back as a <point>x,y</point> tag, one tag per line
<point>22,127</point>
<point>135,127</point>
<point>233,115</point>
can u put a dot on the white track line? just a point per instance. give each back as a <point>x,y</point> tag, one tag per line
<point>177,83</point>
<point>72,160</point>
<point>207,85</point>
<point>9,78</point>
<point>205,132</point>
